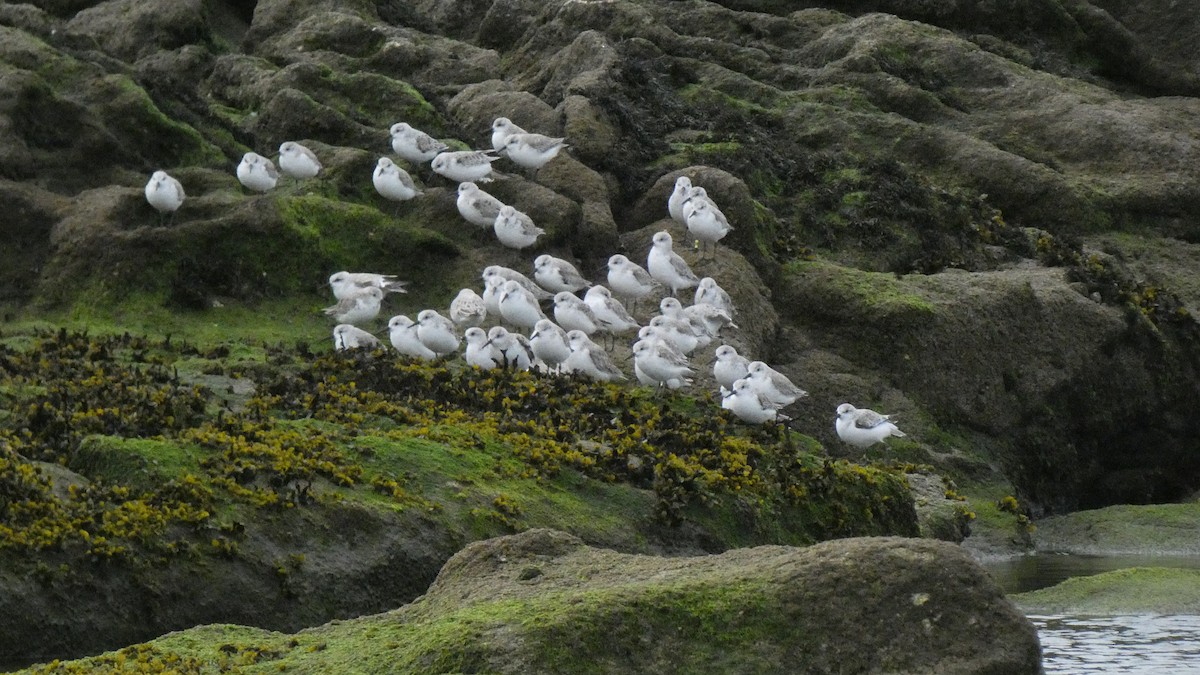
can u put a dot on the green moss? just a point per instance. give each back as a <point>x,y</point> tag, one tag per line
<point>852,294</point>
<point>141,463</point>
<point>1155,528</point>
<point>1137,590</point>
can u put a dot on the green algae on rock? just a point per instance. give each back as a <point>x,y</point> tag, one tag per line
<point>1136,590</point>
<point>542,601</point>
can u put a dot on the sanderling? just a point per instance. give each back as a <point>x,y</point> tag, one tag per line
<point>164,193</point>
<point>508,273</point>
<point>556,274</point>
<point>630,279</point>
<point>476,206</point>
<point>532,151</point>
<point>465,166</point>
<point>729,366</point>
<point>298,161</point>
<point>676,331</point>
<point>711,319</point>
<point>502,128</point>
<point>358,307</point>
<point>518,306</point>
<point>710,293</point>
<point>493,288</point>
<point>414,145</point>
<point>514,348</point>
<point>402,332</point>
<point>666,266</point>
<point>660,364</point>
<point>609,311</point>
<point>746,403</point>
<point>257,172</point>
<point>468,309</point>
<point>589,359</point>
<point>436,332</point>
<point>549,343</point>
<point>346,284</point>
<point>515,229</point>
<point>346,337</point>
<point>392,182</point>
<point>682,192</point>
<point>671,307</point>
<point>772,386</point>
<point>480,351</point>
<point>862,427</point>
<point>705,222</point>
<point>574,314</point>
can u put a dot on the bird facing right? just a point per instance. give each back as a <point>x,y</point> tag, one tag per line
<point>862,427</point>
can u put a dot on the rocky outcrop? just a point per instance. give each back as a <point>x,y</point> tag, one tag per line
<point>843,139</point>
<point>542,601</point>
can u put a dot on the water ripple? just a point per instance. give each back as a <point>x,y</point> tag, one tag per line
<point>1128,644</point>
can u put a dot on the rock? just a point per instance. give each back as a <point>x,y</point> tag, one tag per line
<point>1136,590</point>
<point>477,105</point>
<point>542,601</point>
<point>850,605</point>
<point>130,29</point>
<point>1123,530</point>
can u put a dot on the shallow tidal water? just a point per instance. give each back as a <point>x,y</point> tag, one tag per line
<point>1126,644</point>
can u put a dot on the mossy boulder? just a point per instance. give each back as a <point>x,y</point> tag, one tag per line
<point>1136,590</point>
<point>542,601</point>
<point>1157,529</point>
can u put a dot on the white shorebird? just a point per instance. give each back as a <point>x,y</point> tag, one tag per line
<point>515,229</point>
<point>358,307</point>
<point>667,267</point>
<point>532,151</point>
<point>672,308</point>
<point>709,318</point>
<point>705,222</point>
<point>729,366</point>
<point>468,309</point>
<point>298,161</point>
<point>676,331</point>
<point>862,427</point>
<point>549,343</point>
<point>346,284</point>
<point>414,145</point>
<point>746,403</point>
<point>518,306</point>
<point>392,182</point>
<point>574,314</point>
<point>476,206</point>
<point>609,311</point>
<point>493,288</point>
<point>589,359</point>
<point>515,351</point>
<point>556,275</point>
<point>709,292</point>
<point>681,193</point>
<point>402,332</point>
<point>508,273</point>
<point>437,332</point>
<point>480,352</point>
<point>346,337</point>
<point>655,361</point>
<point>502,128</point>
<point>164,193</point>
<point>772,386</point>
<point>465,166</point>
<point>629,279</point>
<point>257,173</point>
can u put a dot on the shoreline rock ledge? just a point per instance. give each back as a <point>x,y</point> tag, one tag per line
<point>543,601</point>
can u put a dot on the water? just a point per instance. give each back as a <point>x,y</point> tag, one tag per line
<point>1125,644</point>
<point>1130,645</point>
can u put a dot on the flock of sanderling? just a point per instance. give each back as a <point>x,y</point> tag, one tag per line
<point>751,390</point>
